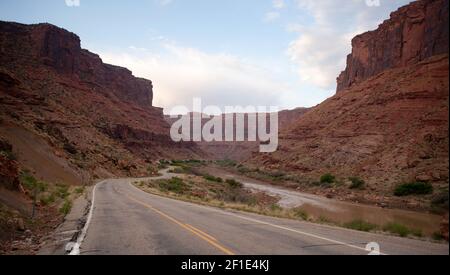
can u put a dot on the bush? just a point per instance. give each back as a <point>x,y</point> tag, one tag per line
<point>62,191</point>
<point>175,185</point>
<point>300,213</point>
<point>234,184</point>
<point>65,209</point>
<point>48,200</point>
<point>398,229</point>
<point>360,225</point>
<point>327,178</point>
<point>413,188</point>
<point>357,183</point>
<point>213,179</point>
<point>441,200</point>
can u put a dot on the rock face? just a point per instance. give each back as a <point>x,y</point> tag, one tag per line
<point>97,116</point>
<point>412,34</point>
<point>48,45</point>
<point>388,124</point>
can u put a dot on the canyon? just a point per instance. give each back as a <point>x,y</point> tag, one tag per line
<point>67,117</point>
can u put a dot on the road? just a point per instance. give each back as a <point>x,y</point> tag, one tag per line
<point>127,221</point>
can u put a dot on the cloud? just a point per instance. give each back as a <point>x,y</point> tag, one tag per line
<point>180,73</point>
<point>322,45</point>
<point>271,16</point>
<point>279,4</point>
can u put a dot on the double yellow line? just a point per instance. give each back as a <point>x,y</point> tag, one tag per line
<point>199,233</point>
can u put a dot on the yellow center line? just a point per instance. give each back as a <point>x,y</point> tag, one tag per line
<point>201,232</point>
<point>204,236</point>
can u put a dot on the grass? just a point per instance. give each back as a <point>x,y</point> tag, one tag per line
<point>413,188</point>
<point>357,183</point>
<point>360,225</point>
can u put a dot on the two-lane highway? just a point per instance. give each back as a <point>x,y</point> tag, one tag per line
<point>126,220</point>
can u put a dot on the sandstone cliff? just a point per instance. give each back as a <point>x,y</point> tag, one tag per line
<point>388,124</point>
<point>96,117</point>
<point>412,34</point>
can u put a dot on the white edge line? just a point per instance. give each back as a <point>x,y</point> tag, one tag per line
<point>276,226</point>
<point>76,247</point>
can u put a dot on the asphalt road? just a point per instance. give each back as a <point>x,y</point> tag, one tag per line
<point>128,221</point>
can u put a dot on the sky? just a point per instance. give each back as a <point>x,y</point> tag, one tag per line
<point>285,53</point>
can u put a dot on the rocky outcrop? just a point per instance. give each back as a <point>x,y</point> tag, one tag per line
<point>412,34</point>
<point>60,50</point>
<point>98,117</point>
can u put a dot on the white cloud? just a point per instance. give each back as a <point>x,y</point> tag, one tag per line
<point>179,74</point>
<point>279,4</point>
<point>322,46</point>
<point>271,16</point>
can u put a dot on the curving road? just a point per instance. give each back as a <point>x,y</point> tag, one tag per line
<point>126,220</point>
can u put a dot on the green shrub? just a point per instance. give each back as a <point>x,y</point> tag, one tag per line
<point>441,200</point>
<point>437,236</point>
<point>327,178</point>
<point>213,179</point>
<point>275,208</point>
<point>175,185</point>
<point>413,188</point>
<point>234,184</point>
<point>65,209</point>
<point>300,213</point>
<point>62,191</point>
<point>48,200</point>
<point>79,190</point>
<point>357,183</point>
<point>398,229</point>
<point>360,225</point>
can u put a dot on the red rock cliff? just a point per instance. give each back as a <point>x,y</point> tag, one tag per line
<point>48,45</point>
<point>412,34</point>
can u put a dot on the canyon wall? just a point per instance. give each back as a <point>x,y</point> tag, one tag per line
<point>412,34</point>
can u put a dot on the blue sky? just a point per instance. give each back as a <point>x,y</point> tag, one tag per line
<point>286,53</point>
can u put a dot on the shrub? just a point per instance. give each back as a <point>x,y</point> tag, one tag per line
<point>396,228</point>
<point>300,213</point>
<point>441,200</point>
<point>62,191</point>
<point>47,200</point>
<point>360,225</point>
<point>65,209</point>
<point>79,190</point>
<point>175,185</point>
<point>357,183</point>
<point>437,236</point>
<point>212,178</point>
<point>413,188</point>
<point>275,208</point>
<point>234,184</point>
<point>327,178</point>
